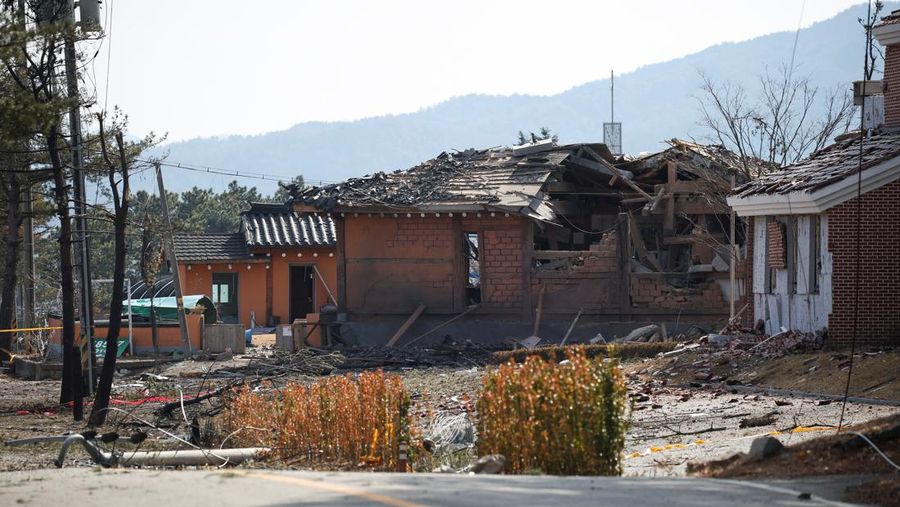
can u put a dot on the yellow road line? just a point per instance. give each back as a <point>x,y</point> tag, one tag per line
<point>330,487</point>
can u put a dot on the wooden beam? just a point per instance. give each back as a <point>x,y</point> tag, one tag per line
<point>572,326</point>
<point>669,218</point>
<point>442,324</point>
<point>409,322</point>
<point>540,309</point>
<point>639,245</point>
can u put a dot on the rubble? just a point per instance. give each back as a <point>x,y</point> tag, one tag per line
<point>491,464</point>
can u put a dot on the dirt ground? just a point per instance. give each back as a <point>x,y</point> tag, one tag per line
<point>875,374</point>
<point>676,419</point>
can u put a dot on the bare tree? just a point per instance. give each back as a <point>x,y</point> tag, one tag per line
<point>120,224</point>
<point>874,53</point>
<point>788,119</point>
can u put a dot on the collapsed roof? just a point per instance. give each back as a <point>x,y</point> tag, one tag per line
<point>829,165</point>
<point>514,179</point>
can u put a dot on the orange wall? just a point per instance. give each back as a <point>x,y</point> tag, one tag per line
<point>168,335</point>
<point>252,282</point>
<point>323,259</point>
<point>251,285</point>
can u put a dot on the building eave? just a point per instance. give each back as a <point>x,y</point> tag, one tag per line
<point>819,201</point>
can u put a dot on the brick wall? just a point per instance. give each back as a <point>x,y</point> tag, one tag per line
<point>421,233</point>
<point>503,265</point>
<point>892,86</point>
<point>775,241</point>
<point>652,291</point>
<point>879,276</point>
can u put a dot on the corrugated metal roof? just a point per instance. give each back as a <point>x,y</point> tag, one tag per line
<point>278,225</point>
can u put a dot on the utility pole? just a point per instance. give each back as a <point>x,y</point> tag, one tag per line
<point>170,253</point>
<point>82,250</point>
<point>28,232</point>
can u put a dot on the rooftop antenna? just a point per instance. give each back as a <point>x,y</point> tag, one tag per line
<point>612,131</point>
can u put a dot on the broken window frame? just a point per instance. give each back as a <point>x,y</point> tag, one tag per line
<point>815,253</point>
<point>790,226</point>
<point>472,256</point>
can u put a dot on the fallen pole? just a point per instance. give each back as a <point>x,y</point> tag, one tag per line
<point>192,457</point>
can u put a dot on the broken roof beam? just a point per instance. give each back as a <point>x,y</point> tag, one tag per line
<point>601,166</point>
<point>535,147</point>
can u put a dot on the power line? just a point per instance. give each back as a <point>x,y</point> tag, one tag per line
<point>228,172</point>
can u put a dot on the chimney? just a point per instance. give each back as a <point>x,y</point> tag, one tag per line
<point>888,34</point>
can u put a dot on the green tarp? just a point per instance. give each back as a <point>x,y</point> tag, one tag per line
<point>166,308</point>
<point>100,347</point>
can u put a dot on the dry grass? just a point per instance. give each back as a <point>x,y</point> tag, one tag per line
<point>567,419</point>
<point>340,422</point>
<point>558,353</point>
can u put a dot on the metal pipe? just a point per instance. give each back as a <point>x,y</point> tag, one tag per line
<point>100,457</point>
<point>201,457</point>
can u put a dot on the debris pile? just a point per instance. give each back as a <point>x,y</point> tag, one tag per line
<point>466,355</point>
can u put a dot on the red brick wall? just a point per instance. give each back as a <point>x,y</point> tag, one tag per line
<point>879,276</point>
<point>654,292</point>
<point>892,86</point>
<point>502,269</point>
<point>775,242</point>
<point>391,265</point>
<point>594,282</point>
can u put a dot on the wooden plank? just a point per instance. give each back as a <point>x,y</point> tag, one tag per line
<point>341,266</point>
<point>639,244</point>
<point>409,322</point>
<point>669,218</point>
<point>602,167</point>
<point>442,324</point>
<point>572,326</point>
<point>540,308</point>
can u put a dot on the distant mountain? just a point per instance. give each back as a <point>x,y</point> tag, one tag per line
<point>654,103</point>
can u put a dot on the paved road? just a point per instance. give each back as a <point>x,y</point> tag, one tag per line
<point>153,488</point>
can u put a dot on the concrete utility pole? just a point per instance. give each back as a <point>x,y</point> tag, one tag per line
<point>28,232</point>
<point>170,253</point>
<point>82,250</point>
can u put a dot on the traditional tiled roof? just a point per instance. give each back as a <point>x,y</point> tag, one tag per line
<point>827,166</point>
<point>278,225</point>
<point>210,247</point>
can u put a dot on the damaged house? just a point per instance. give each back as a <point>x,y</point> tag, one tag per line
<point>522,239</point>
<point>826,231</point>
<point>280,266</point>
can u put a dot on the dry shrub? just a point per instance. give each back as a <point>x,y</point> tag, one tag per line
<point>340,421</point>
<point>558,353</point>
<point>565,419</point>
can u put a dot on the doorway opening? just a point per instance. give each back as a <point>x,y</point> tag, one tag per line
<point>301,292</point>
<point>225,296</point>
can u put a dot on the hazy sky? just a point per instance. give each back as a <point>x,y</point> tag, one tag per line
<point>216,67</point>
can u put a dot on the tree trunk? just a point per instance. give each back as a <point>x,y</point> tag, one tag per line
<point>71,389</point>
<point>120,223</point>
<point>12,188</point>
